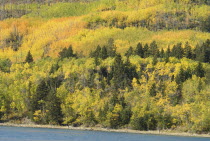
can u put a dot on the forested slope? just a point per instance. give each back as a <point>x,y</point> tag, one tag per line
<point>112,63</point>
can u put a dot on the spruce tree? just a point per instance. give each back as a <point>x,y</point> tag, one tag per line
<point>177,51</point>
<point>162,53</point>
<point>154,60</point>
<point>139,50</point>
<point>153,91</point>
<point>96,53</point>
<point>111,48</point>
<point>199,70</point>
<point>180,78</point>
<point>129,52</point>
<point>104,53</point>
<point>53,105</point>
<point>29,58</point>
<point>154,49</point>
<point>118,73</point>
<point>39,99</point>
<point>146,51</point>
<point>67,53</point>
<point>199,53</point>
<point>167,55</point>
<point>188,51</point>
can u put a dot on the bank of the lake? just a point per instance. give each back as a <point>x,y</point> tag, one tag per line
<point>82,128</point>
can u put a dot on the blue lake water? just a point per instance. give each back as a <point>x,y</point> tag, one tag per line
<point>42,134</point>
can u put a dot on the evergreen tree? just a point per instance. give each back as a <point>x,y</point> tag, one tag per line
<point>96,53</point>
<point>188,51</point>
<point>205,26</point>
<point>129,52</point>
<point>5,65</point>
<point>180,78</point>
<point>54,68</point>
<point>125,115</point>
<point>29,58</point>
<point>162,53</point>
<point>153,50</point>
<point>202,52</point>
<point>199,53</point>
<point>139,50</point>
<point>111,49</point>
<point>154,60</point>
<point>199,70</point>
<point>38,100</point>
<point>118,73</point>
<point>153,91</point>
<point>167,55</point>
<point>177,51</point>
<point>104,53</point>
<point>146,51</point>
<point>67,53</point>
<point>53,105</point>
<point>129,73</point>
<point>206,49</point>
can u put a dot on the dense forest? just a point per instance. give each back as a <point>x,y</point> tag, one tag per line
<point>135,64</point>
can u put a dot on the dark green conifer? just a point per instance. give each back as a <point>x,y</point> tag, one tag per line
<point>139,50</point>
<point>53,105</point>
<point>153,49</point>
<point>188,51</point>
<point>129,52</point>
<point>67,53</point>
<point>29,58</point>
<point>104,53</point>
<point>162,53</point>
<point>199,70</point>
<point>146,51</point>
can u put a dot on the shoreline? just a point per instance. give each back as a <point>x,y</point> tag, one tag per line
<point>156,132</point>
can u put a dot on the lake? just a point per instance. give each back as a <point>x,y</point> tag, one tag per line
<point>44,134</point>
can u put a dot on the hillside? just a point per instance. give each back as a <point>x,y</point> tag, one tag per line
<point>112,63</point>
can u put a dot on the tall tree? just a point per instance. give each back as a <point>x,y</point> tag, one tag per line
<point>118,72</point>
<point>139,50</point>
<point>29,58</point>
<point>67,53</point>
<point>177,51</point>
<point>188,51</point>
<point>199,70</point>
<point>129,52</point>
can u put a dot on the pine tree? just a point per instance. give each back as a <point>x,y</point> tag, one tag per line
<point>153,91</point>
<point>180,78</point>
<point>96,53</point>
<point>205,26</point>
<point>154,49</point>
<point>199,70</point>
<point>118,73</point>
<point>67,53</point>
<point>104,53</point>
<point>162,53</point>
<point>139,50</point>
<point>167,55</point>
<point>154,60</point>
<point>177,51</point>
<point>111,48</point>
<point>54,68</point>
<point>29,58</point>
<point>188,51</point>
<point>40,95</point>
<point>199,53</point>
<point>146,51</point>
<point>129,52</point>
<point>53,105</point>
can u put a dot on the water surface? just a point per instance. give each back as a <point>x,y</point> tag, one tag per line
<point>44,134</point>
